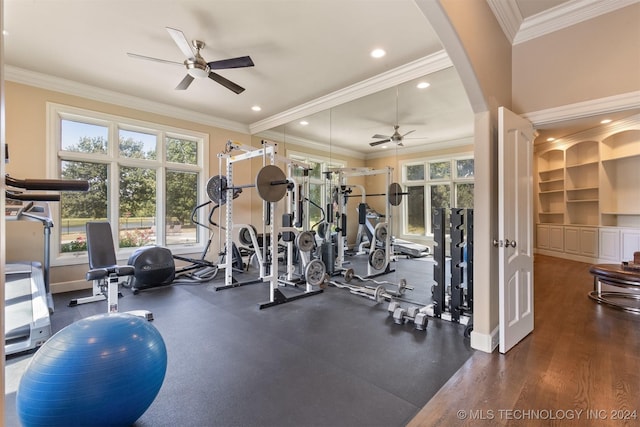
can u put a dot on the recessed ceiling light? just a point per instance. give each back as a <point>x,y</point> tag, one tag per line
<point>378,53</point>
<point>605,121</point>
<point>423,85</point>
<point>304,122</point>
<point>5,32</point>
<point>256,108</point>
<point>383,146</point>
<point>550,139</point>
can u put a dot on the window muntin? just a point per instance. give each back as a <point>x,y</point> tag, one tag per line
<point>142,176</point>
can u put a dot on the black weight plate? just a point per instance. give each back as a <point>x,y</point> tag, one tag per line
<point>395,194</point>
<point>268,191</point>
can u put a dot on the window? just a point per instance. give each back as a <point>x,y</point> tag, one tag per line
<point>144,178</point>
<point>318,190</point>
<point>432,184</point>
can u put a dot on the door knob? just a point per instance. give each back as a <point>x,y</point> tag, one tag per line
<point>497,243</point>
<point>508,243</point>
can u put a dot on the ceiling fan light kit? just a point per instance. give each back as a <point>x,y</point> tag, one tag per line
<point>197,67</point>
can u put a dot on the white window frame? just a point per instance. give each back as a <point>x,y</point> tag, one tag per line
<point>427,182</point>
<point>58,112</point>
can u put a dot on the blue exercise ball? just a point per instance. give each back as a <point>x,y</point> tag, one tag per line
<point>103,370</point>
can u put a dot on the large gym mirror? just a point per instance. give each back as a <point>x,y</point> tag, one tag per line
<point>434,121</point>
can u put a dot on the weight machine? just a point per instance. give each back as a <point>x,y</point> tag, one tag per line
<point>272,185</point>
<point>380,252</point>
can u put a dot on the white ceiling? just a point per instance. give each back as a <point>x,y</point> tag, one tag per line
<point>308,54</point>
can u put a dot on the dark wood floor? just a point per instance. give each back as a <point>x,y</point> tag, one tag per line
<point>580,366</point>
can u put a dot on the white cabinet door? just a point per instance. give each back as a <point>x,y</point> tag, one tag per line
<point>572,240</point>
<point>629,243</point>
<point>589,242</point>
<point>542,237</point>
<point>609,247</point>
<point>556,237</point>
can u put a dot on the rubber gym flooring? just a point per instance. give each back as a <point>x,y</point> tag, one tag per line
<point>332,359</point>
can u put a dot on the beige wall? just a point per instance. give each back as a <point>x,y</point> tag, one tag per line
<point>26,135</point>
<point>590,60</point>
<point>486,46</point>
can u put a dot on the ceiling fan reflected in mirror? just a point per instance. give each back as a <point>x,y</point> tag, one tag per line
<point>196,66</point>
<point>396,137</point>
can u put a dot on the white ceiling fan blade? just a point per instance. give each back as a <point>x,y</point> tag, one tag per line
<point>378,136</point>
<point>181,41</point>
<point>149,58</point>
<point>408,133</point>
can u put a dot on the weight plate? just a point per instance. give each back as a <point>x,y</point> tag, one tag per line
<point>395,194</point>
<point>245,236</point>
<point>402,286</point>
<point>381,232</point>
<point>377,259</point>
<point>379,293</point>
<point>314,272</point>
<point>305,241</point>
<point>323,227</point>
<point>271,183</point>
<point>348,275</point>
<point>216,189</point>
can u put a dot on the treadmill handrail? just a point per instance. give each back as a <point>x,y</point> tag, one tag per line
<point>48,184</point>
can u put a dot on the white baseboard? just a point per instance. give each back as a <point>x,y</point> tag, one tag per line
<point>485,342</point>
<point>76,285</point>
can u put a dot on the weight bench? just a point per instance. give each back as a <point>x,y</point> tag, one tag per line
<point>615,275</point>
<point>105,274</point>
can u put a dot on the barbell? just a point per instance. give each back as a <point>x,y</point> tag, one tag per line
<point>394,194</point>
<point>271,183</point>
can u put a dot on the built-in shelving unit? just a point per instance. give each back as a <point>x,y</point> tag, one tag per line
<point>588,193</point>
<point>551,187</point>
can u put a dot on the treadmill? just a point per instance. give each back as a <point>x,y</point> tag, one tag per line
<point>28,299</point>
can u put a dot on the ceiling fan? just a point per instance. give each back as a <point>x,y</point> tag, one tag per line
<point>396,137</point>
<point>197,67</point>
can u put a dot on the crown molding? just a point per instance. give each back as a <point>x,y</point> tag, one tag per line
<point>307,143</point>
<point>56,84</point>
<point>508,15</point>
<point>413,70</point>
<point>578,110</point>
<point>564,15</point>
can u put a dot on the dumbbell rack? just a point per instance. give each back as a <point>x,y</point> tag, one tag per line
<point>458,306</point>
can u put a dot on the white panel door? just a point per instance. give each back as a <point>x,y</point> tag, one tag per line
<point>515,227</point>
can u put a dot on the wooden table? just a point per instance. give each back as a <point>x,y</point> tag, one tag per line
<point>615,275</point>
